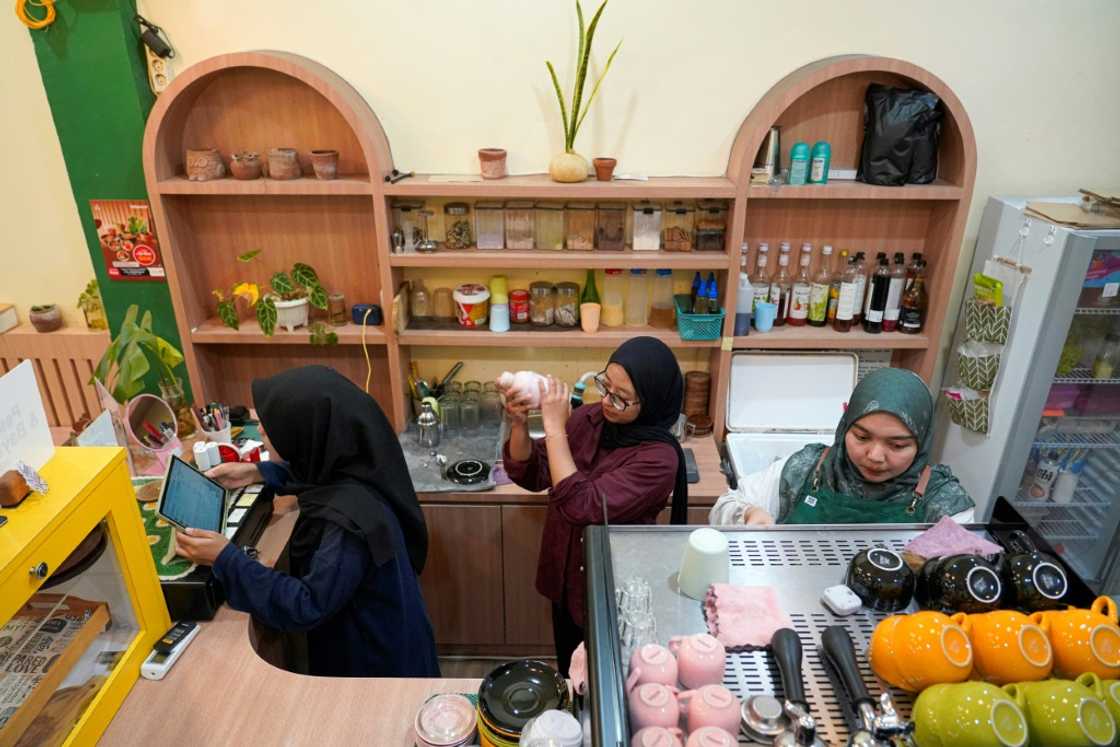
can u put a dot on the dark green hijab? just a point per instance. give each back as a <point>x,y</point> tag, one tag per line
<point>901,393</point>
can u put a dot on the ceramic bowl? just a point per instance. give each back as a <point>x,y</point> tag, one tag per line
<point>881,579</point>
<point>519,690</point>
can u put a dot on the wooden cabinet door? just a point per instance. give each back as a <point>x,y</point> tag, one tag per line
<point>462,580</point>
<point>528,614</point>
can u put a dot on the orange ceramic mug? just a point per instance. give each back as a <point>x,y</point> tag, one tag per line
<point>915,651</point>
<point>1006,647</point>
<point>1084,640</point>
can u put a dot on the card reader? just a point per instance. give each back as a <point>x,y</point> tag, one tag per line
<point>168,649</point>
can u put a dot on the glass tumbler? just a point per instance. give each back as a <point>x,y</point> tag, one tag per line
<point>469,412</point>
<point>449,405</point>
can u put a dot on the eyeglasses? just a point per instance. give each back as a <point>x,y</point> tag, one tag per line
<point>615,401</point>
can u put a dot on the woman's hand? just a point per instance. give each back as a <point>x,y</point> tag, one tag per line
<point>233,475</point>
<point>556,406</point>
<point>757,516</point>
<point>200,545</point>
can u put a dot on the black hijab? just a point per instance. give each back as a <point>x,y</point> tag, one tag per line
<point>340,448</point>
<point>659,385</point>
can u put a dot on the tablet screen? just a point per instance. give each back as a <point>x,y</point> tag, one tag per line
<point>190,499</point>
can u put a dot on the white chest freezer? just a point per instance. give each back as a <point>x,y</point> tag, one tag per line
<point>778,403</point>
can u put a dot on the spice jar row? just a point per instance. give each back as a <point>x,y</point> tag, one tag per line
<point>677,226</point>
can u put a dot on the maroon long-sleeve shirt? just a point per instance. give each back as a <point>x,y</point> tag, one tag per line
<point>636,481</point>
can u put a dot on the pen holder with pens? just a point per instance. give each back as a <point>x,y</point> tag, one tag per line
<point>151,428</point>
<point>216,428</point>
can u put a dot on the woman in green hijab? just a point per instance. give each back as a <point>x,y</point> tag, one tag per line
<point>876,471</point>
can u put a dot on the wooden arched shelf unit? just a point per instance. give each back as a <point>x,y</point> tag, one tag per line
<point>256,101</point>
<point>824,101</point>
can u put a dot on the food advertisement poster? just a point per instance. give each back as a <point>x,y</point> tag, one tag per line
<point>128,239</point>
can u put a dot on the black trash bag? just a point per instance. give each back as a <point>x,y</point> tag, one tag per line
<point>901,128</point>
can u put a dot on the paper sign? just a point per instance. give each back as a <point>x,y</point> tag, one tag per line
<point>100,432</point>
<point>25,435</point>
<point>128,240</point>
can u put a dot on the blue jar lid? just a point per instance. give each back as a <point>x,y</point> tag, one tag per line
<point>664,272</point>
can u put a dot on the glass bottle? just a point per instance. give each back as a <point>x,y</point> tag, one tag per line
<point>457,233</point>
<point>861,287</point>
<point>610,227</point>
<point>872,268</point>
<point>912,269</point>
<point>590,293</point>
<point>761,283</point>
<point>846,299</point>
<point>711,225</point>
<point>834,285</point>
<point>801,292</point>
<point>613,294</point>
<point>567,304</point>
<point>877,297</point>
<point>912,316</point>
<point>647,226</point>
<point>418,301</point>
<point>489,225</point>
<point>780,289</point>
<point>580,222</point>
<point>818,291</point>
<point>894,293</point>
<point>550,225</point>
<point>661,313</point>
<point>519,225</point>
<point>542,304</point>
<point>677,226</point>
<point>1105,364</point>
<point>637,303</point>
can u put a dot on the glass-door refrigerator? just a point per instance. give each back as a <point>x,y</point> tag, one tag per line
<point>1053,443</point>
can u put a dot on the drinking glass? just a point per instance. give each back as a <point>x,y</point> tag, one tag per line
<point>469,412</point>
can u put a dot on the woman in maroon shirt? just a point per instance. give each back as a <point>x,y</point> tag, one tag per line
<point>619,452</point>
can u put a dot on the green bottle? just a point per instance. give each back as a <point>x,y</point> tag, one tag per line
<point>590,294</point>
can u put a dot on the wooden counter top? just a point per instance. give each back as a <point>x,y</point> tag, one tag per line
<point>221,692</point>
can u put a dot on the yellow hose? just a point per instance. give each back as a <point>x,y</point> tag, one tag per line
<point>23,14</point>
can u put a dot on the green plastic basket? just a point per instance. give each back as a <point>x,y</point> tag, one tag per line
<point>697,326</point>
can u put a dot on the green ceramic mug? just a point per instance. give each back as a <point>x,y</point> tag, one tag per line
<point>968,714</point>
<point>1107,690</point>
<point>1064,713</point>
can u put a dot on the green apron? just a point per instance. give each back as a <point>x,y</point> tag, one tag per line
<point>820,505</point>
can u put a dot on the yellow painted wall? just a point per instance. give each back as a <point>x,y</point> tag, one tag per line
<point>1038,78</point>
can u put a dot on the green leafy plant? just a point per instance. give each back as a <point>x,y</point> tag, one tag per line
<point>573,118</point>
<point>135,351</point>
<point>322,334</point>
<point>301,282</point>
<point>250,292</point>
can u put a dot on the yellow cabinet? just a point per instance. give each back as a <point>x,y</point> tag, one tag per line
<point>72,639</point>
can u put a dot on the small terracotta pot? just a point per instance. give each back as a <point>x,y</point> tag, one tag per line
<point>283,163</point>
<point>492,163</point>
<point>205,164</point>
<point>325,163</point>
<point>245,165</point>
<point>589,317</point>
<point>604,168</point>
<point>46,318</point>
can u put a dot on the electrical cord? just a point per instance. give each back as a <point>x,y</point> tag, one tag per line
<point>365,350</point>
<point>28,20</point>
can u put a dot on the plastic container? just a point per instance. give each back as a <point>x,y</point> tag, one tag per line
<point>409,216</point>
<point>567,304</point>
<point>711,226</point>
<point>610,227</point>
<point>549,225</point>
<point>697,326</point>
<point>819,161</point>
<point>799,164</point>
<point>457,232</point>
<point>613,314</point>
<point>647,227</point>
<point>472,305</point>
<point>677,226</point>
<point>637,299</point>
<point>489,225</point>
<point>579,219</point>
<point>542,304</point>
<point>519,225</point>
<point>661,312</point>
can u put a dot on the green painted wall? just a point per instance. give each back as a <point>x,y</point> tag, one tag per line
<point>96,81</point>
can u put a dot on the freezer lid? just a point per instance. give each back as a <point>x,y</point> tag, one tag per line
<point>794,392</point>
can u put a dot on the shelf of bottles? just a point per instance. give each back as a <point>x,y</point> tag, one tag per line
<point>1081,517</point>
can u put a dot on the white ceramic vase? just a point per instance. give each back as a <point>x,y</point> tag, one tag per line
<point>568,168</point>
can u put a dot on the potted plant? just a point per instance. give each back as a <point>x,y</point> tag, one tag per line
<point>134,351</point>
<point>46,317</point>
<point>570,166</point>
<point>90,304</point>
<point>287,303</point>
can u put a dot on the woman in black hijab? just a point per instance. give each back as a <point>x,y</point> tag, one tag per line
<point>619,453</point>
<point>350,596</point>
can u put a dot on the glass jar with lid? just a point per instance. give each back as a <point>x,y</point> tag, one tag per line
<point>410,218</point>
<point>579,218</point>
<point>610,227</point>
<point>677,226</point>
<point>519,224</point>
<point>711,226</point>
<point>550,225</point>
<point>647,226</point>
<point>490,404</point>
<point>457,226</point>
<point>489,225</point>
<point>567,304</point>
<point>542,304</point>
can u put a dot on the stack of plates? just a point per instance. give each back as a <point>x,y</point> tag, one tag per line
<point>513,694</point>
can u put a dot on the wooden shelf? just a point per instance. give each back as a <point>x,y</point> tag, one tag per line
<point>213,332</point>
<point>846,190</point>
<point>540,186</point>
<point>552,338</point>
<point>180,185</point>
<point>806,338</point>
<point>544,259</point>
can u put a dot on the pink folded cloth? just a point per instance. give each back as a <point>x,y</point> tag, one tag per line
<point>743,616</point>
<point>947,537</point>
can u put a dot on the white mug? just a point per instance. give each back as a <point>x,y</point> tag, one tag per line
<point>704,563</point>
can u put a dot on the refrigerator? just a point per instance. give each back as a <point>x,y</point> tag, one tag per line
<point>1053,445</point>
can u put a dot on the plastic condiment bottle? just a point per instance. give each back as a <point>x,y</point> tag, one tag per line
<point>637,299</point>
<point>613,314</point>
<point>744,303</point>
<point>661,300</point>
<point>799,163</point>
<point>820,160</point>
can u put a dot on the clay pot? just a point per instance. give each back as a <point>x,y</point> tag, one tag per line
<point>492,163</point>
<point>325,163</point>
<point>245,165</point>
<point>46,318</point>
<point>568,168</point>
<point>283,163</point>
<point>604,168</point>
<point>205,164</point>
